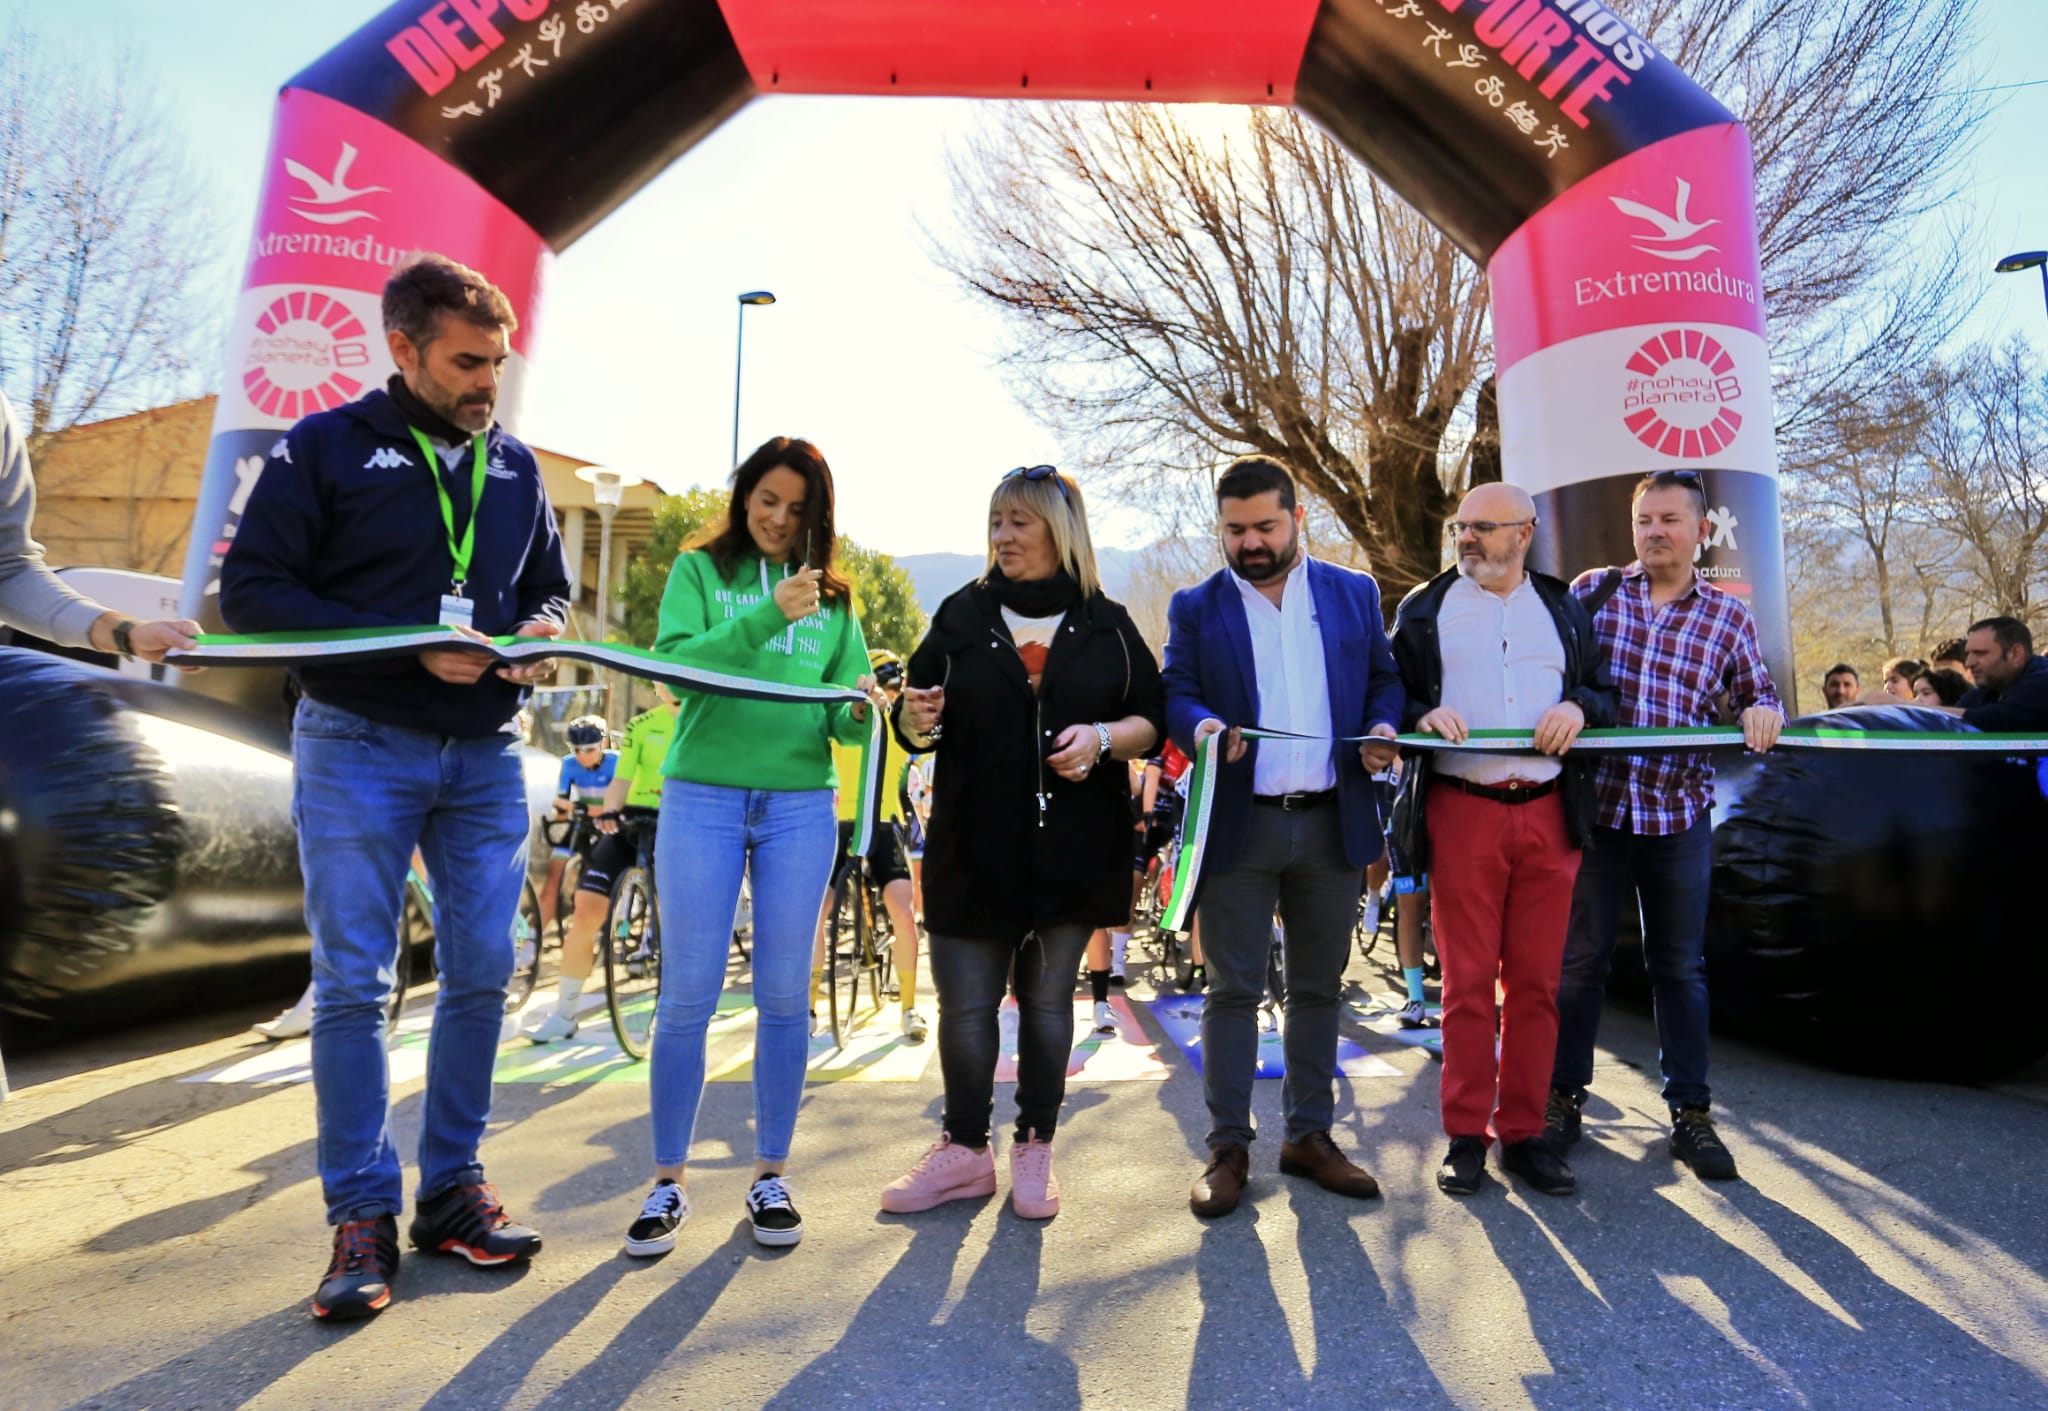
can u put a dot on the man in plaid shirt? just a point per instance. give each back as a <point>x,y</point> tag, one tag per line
<point>1674,645</point>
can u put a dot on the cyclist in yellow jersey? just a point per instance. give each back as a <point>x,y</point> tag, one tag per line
<point>886,862</point>
<point>635,788</point>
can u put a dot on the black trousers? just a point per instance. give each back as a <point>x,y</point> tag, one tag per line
<point>971,977</point>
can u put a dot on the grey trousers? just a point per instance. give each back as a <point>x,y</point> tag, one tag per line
<point>1295,861</point>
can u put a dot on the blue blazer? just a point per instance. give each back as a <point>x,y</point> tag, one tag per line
<point>1209,672</point>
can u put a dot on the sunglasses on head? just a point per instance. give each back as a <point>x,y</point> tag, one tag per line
<point>889,673</point>
<point>1691,478</point>
<point>1042,472</point>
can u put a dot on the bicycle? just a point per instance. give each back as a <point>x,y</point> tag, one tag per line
<point>416,933</point>
<point>632,943</point>
<point>860,937</point>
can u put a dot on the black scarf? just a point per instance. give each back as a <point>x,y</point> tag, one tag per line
<point>423,416</point>
<point>1036,597</point>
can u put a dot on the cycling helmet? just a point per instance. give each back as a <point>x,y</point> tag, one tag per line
<point>886,666</point>
<point>587,730</point>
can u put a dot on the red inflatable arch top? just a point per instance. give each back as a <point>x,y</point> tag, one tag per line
<point>1609,198</point>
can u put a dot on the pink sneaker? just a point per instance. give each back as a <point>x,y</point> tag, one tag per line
<point>946,1172</point>
<point>1034,1190</point>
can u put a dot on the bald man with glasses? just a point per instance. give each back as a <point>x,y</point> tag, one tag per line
<point>1489,645</point>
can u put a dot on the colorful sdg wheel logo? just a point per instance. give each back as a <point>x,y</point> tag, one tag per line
<point>1680,395</point>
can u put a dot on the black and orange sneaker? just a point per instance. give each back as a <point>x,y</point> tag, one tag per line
<point>360,1275</point>
<point>469,1221</point>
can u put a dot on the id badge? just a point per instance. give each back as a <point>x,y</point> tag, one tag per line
<point>456,610</point>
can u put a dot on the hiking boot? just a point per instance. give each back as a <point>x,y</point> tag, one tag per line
<point>1561,1117</point>
<point>360,1273</point>
<point>948,1171</point>
<point>1539,1166</point>
<point>773,1213</point>
<point>1034,1190</point>
<point>1695,1142</point>
<point>469,1221</point>
<point>663,1212</point>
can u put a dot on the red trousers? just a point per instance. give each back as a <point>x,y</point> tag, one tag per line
<point>1500,896</point>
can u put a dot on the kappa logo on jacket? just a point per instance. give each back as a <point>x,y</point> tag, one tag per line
<point>387,458</point>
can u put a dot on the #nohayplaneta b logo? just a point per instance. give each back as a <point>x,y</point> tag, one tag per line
<point>1672,229</point>
<point>326,193</point>
<point>297,353</point>
<point>1680,394</point>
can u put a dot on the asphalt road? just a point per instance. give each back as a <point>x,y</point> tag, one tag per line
<point>1886,1248</point>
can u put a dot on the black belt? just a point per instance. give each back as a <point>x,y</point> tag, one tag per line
<point>1499,793</point>
<point>1294,803</point>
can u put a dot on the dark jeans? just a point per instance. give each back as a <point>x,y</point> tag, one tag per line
<point>1670,876</point>
<point>971,977</point>
<point>1297,862</point>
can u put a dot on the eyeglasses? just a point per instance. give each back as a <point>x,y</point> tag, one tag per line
<point>889,673</point>
<point>1484,527</point>
<point>1043,472</point>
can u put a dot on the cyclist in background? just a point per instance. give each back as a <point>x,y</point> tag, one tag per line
<point>587,771</point>
<point>633,788</point>
<point>886,861</point>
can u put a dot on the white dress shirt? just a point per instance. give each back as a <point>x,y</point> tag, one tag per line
<point>1503,667</point>
<point>1294,686</point>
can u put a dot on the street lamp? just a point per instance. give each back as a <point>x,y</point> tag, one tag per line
<point>608,489</point>
<point>2026,259</point>
<point>755,296</point>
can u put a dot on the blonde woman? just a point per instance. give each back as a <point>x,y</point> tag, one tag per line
<point>1030,684</point>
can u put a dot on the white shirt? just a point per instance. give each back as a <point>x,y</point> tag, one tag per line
<point>1294,687</point>
<point>1503,667</point>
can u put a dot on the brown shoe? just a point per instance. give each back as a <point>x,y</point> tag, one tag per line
<point>1222,1182</point>
<point>1317,1157</point>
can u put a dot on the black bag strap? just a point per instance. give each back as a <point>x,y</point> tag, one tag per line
<point>1610,584</point>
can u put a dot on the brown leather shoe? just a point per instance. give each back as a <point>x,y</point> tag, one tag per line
<point>1222,1181</point>
<point>1317,1157</point>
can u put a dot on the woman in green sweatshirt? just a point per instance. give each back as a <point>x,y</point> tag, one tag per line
<point>749,786</point>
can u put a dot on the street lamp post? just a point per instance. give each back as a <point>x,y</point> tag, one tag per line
<point>2027,259</point>
<point>754,296</point>
<point>608,490</point>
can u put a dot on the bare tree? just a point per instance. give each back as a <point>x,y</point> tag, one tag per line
<point>1177,298</point>
<point>1986,458</point>
<point>109,258</point>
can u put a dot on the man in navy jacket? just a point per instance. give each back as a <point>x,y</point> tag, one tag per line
<point>1285,643</point>
<point>405,508</point>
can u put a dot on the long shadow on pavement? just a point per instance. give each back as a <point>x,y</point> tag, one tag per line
<point>496,1374</point>
<point>896,1351</point>
<point>230,1370</point>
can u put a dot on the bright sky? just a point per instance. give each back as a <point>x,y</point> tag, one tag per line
<point>870,352</point>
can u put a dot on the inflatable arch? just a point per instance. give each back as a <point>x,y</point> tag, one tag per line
<point>1609,198</point>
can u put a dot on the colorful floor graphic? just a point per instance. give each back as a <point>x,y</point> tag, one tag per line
<point>874,1051</point>
<point>1382,1015</point>
<point>1181,1017</point>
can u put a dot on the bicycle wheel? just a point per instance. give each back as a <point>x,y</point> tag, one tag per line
<point>845,943</point>
<point>526,939</point>
<point>881,956</point>
<point>632,961</point>
<point>1368,938</point>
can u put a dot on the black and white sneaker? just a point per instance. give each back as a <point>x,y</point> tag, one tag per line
<point>773,1213</point>
<point>663,1213</point>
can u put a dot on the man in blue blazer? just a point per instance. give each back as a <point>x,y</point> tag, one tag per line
<point>1282,642</point>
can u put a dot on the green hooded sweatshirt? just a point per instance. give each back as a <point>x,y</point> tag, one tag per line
<point>734,624</point>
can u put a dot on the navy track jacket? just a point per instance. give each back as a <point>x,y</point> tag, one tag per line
<point>343,529</point>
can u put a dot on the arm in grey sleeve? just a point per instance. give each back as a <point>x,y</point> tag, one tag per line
<point>31,597</point>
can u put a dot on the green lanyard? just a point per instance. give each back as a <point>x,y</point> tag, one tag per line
<point>461,551</point>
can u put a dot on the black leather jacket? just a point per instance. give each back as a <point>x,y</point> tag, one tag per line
<point>1420,656</point>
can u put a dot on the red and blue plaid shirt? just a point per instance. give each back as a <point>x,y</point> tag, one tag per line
<point>1671,664</point>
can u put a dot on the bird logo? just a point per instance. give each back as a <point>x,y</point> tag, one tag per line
<point>325,191</point>
<point>1671,229</point>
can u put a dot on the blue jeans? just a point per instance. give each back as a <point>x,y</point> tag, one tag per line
<point>1671,875</point>
<point>362,794</point>
<point>709,835</point>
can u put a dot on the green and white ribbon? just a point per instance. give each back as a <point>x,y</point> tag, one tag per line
<point>1187,870</point>
<point>371,643</point>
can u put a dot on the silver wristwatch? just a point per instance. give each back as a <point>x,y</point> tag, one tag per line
<point>1102,735</point>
